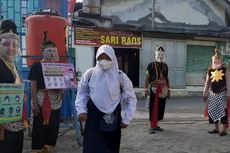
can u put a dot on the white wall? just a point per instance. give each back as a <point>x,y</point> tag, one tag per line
<point>84,58</point>
<point>175,51</point>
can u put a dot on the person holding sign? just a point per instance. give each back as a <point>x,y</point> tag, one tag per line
<point>46,103</point>
<point>11,134</point>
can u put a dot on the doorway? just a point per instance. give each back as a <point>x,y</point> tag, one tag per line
<point>128,62</point>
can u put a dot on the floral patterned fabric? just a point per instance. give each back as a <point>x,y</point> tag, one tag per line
<point>15,126</point>
<point>55,96</point>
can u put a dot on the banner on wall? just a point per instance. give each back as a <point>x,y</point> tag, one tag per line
<point>59,75</point>
<point>11,102</point>
<point>114,38</point>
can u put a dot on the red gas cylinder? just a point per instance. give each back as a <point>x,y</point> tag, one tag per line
<point>45,23</point>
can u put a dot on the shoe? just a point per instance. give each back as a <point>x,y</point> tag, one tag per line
<point>158,128</point>
<point>223,133</point>
<point>213,132</point>
<point>151,131</point>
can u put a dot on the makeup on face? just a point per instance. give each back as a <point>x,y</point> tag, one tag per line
<point>216,63</point>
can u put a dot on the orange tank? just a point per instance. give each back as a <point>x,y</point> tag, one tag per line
<point>56,29</point>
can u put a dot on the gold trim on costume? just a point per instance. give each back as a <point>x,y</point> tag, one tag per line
<point>217,75</point>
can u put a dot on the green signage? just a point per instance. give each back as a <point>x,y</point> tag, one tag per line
<point>11,102</point>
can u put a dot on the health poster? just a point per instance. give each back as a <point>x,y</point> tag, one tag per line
<point>59,75</point>
<point>11,102</point>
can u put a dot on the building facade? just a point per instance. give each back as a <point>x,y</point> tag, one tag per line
<point>189,30</point>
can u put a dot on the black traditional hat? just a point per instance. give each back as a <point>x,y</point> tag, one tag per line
<point>160,49</point>
<point>8,29</point>
<point>8,25</point>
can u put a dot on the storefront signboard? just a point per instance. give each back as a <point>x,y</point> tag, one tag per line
<point>114,38</point>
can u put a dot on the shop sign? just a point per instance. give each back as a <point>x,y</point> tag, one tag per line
<point>114,38</point>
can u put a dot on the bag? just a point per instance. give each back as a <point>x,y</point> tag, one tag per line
<point>108,122</point>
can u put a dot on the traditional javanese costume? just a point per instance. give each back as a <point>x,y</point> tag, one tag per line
<point>48,119</point>
<point>158,80</point>
<point>216,89</point>
<point>12,132</point>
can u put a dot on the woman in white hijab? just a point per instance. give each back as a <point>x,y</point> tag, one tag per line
<point>98,103</point>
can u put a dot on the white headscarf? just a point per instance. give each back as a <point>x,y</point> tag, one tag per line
<point>104,85</point>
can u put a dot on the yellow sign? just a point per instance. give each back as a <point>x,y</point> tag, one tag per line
<point>98,37</point>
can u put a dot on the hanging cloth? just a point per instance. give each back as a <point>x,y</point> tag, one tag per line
<point>18,80</point>
<point>24,114</point>
<point>228,111</point>
<point>46,108</point>
<point>154,119</point>
<point>206,110</point>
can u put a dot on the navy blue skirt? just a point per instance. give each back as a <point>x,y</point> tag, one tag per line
<point>97,141</point>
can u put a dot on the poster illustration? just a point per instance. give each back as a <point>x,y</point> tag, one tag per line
<point>11,102</point>
<point>59,75</point>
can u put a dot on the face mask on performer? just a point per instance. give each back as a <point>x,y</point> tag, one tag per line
<point>50,52</point>
<point>160,55</point>
<point>9,41</point>
<point>216,60</point>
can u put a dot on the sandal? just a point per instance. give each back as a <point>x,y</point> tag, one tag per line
<point>158,128</point>
<point>151,131</point>
<point>213,132</point>
<point>223,133</point>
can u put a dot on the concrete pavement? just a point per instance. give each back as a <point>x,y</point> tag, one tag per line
<point>185,131</point>
<point>187,91</point>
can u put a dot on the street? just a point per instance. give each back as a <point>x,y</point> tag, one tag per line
<point>185,131</point>
<point>47,46</point>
